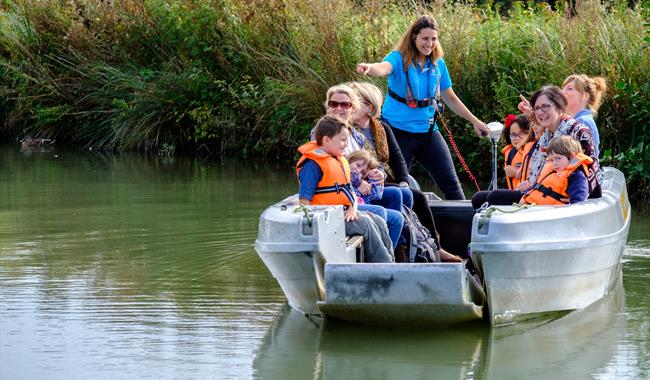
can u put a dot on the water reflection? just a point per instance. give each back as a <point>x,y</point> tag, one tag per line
<point>579,344</point>
<point>122,266</point>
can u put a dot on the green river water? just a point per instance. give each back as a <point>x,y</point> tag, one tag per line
<point>117,267</point>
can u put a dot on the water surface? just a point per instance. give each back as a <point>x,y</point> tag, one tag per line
<point>143,267</point>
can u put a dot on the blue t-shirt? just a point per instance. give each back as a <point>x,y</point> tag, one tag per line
<point>424,83</point>
<point>586,117</point>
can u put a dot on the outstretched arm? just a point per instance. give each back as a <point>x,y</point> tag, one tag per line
<point>378,69</point>
<point>456,105</point>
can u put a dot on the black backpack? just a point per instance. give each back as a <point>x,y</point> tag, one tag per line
<point>416,245</point>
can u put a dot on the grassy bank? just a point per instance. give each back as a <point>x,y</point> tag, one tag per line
<point>248,78</point>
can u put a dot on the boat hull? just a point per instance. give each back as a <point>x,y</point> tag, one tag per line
<point>531,261</point>
<point>401,294</point>
<point>547,259</point>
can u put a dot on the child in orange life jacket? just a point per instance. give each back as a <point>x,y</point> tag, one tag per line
<point>360,163</point>
<point>324,178</point>
<point>516,134</point>
<point>563,179</point>
<point>529,149</point>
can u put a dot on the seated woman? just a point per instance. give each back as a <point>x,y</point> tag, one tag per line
<point>381,141</point>
<point>549,111</point>
<point>342,102</point>
<point>584,96</point>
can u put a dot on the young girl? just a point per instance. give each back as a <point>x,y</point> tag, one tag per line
<point>361,162</point>
<point>536,131</point>
<point>563,179</point>
<point>516,134</point>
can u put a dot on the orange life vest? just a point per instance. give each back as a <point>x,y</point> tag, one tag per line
<point>525,163</point>
<point>334,187</point>
<point>551,186</point>
<point>513,157</point>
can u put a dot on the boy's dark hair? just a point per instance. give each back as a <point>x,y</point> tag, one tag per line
<point>329,126</point>
<point>564,146</point>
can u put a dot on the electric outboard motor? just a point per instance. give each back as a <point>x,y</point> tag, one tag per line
<point>496,129</point>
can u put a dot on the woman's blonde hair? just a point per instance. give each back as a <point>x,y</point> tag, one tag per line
<point>564,146</point>
<point>343,89</point>
<point>363,155</point>
<point>370,93</point>
<point>406,45</point>
<point>595,87</point>
<point>373,95</point>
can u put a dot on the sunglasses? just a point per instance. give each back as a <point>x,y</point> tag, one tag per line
<point>343,105</point>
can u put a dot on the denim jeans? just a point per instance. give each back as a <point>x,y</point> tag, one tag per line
<point>393,219</point>
<point>391,199</point>
<point>431,150</point>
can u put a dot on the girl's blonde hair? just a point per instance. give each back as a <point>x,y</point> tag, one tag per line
<point>406,45</point>
<point>343,89</point>
<point>584,84</point>
<point>363,155</point>
<point>564,146</point>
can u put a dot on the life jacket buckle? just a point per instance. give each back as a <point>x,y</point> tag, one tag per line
<point>412,103</point>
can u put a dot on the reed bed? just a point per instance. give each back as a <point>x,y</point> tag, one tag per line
<point>247,78</point>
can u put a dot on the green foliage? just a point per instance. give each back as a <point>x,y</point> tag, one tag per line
<point>249,77</point>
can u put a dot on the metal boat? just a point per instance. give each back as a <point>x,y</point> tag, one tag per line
<point>527,262</point>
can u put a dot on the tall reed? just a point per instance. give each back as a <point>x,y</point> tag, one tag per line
<point>248,77</point>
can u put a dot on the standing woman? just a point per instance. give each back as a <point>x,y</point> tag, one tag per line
<point>417,76</point>
<point>584,96</point>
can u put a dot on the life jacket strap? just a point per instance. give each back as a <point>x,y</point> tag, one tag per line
<point>548,192</point>
<point>413,103</point>
<point>337,188</point>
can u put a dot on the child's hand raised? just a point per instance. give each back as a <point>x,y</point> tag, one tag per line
<point>375,175</point>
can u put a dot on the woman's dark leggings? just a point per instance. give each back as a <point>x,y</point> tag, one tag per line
<point>430,149</point>
<point>501,197</point>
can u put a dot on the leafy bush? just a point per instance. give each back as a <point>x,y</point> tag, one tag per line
<point>248,77</point>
